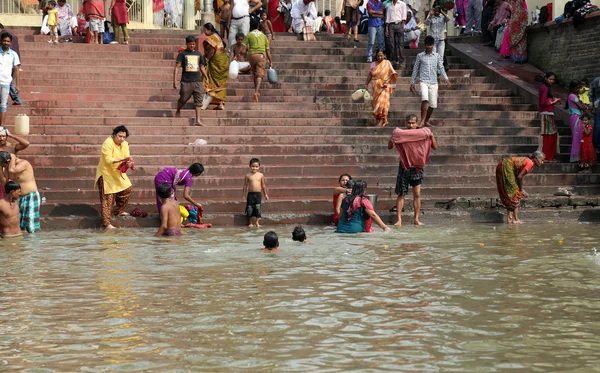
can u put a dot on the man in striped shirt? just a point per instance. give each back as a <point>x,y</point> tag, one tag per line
<point>427,66</point>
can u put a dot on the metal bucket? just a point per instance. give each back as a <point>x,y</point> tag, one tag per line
<point>372,198</point>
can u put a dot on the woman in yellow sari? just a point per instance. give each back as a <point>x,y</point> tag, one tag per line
<point>384,77</point>
<point>217,66</point>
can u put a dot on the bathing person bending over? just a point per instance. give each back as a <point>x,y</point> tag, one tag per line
<point>9,210</point>
<point>357,212</point>
<point>21,171</point>
<point>271,242</point>
<point>170,224</point>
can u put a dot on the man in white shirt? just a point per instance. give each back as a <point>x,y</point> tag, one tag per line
<point>304,13</point>
<point>394,31</point>
<point>9,68</point>
<point>239,18</point>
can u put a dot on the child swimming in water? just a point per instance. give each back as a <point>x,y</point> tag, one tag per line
<point>299,234</point>
<point>170,224</point>
<point>271,242</point>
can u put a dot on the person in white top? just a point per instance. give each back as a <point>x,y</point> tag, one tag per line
<point>239,18</point>
<point>9,68</point>
<point>412,31</point>
<point>394,31</point>
<point>304,13</point>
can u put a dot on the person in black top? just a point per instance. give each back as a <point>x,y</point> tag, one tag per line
<point>192,67</point>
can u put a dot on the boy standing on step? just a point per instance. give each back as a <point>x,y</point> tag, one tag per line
<point>191,63</point>
<point>254,184</point>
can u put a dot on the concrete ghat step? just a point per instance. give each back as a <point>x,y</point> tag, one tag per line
<point>331,172</point>
<point>40,124</point>
<point>274,139</point>
<point>204,185</point>
<point>230,195</point>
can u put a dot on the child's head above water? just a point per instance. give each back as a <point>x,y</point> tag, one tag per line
<point>254,164</point>
<point>298,234</point>
<point>271,241</point>
<point>163,190</point>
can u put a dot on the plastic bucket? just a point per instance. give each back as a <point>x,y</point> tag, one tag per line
<point>373,199</point>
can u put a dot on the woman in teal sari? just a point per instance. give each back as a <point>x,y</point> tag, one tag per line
<point>217,66</point>
<point>357,213</point>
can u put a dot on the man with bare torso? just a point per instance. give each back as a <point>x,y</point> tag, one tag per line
<point>21,171</point>
<point>9,210</point>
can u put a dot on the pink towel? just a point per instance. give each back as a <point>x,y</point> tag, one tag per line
<point>413,146</point>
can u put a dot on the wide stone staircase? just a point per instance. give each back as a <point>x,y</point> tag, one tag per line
<point>306,130</point>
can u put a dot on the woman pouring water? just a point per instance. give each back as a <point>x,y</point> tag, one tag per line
<point>175,178</point>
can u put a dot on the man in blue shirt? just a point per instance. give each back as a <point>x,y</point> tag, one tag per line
<point>375,10</point>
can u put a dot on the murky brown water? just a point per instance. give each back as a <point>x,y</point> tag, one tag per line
<point>416,300</point>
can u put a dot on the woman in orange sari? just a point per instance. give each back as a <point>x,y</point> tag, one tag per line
<point>217,66</point>
<point>384,77</point>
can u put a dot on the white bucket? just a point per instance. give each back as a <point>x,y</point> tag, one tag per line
<point>22,124</point>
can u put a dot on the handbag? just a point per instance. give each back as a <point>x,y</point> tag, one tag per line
<point>307,34</point>
<point>272,75</point>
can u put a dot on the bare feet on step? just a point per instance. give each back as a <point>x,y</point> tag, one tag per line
<point>198,123</point>
<point>110,227</point>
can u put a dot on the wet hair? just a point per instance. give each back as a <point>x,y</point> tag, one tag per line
<point>538,155</point>
<point>120,128</point>
<point>239,35</point>
<point>190,39</point>
<point>10,186</point>
<point>4,157</point>
<point>298,234</point>
<point>6,35</point>
<point>358,189</point>
<point>342,175</point>
<point>255,160</point>
<point>327,12</point>
<point>544,81</point>
<point>254,23</point>
<point>196,169</point>
<point>271,240</point>
<point>429,40</point>
<point>163,190</point>
<point>411,117</point>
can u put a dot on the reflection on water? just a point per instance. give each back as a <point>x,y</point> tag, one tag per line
<point>461,298</point>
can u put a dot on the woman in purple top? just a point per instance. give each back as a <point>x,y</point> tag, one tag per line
<point>175,178</point>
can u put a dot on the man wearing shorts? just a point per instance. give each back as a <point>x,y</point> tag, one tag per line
<point>427,66</point>
<point>409,177</point>
<point>258,54</point>
<point>191,63</point>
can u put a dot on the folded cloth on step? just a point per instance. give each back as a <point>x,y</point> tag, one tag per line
<point>138,212</point>
<point>125,165</point>
<point>413,146</point>
<point>198,226</point>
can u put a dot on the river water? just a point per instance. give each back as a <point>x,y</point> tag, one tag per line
<point>465,298</point>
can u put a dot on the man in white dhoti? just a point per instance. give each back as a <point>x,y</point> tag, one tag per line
<point>304,13</point>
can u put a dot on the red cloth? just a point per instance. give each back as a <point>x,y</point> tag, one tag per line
<point>93,9</point>
<point>275,17</point>
<point>125,165</point>
<point>158,5</point>
<point>549,146</point>
<point>120,12</point>
<point>198,226</point>
<point>587,151</point>
<point>413,146</point>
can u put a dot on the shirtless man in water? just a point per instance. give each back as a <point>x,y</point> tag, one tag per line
<point>239,53</point>
<point>170,224</point>
<point>21,171</point>
<point>9,210</point>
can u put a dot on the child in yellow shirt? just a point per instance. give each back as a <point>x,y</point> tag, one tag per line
<point>584,97</point>
<point>53,21</point>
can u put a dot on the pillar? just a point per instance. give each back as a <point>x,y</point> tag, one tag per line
<point>208,13</point>
<point>189,11</point>
<point>147,14</point>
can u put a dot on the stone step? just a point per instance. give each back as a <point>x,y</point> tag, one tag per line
<point>257,130</point>
<point>299,193</point>
<point>71,100</point>
<point>39,124</point>
<point>331,172</point>
<point>255,113</point>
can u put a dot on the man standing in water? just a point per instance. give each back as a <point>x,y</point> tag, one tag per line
<point>427,66</point>
<point>9,210</point>
<point>21,171</point>
<point>414,147</point>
